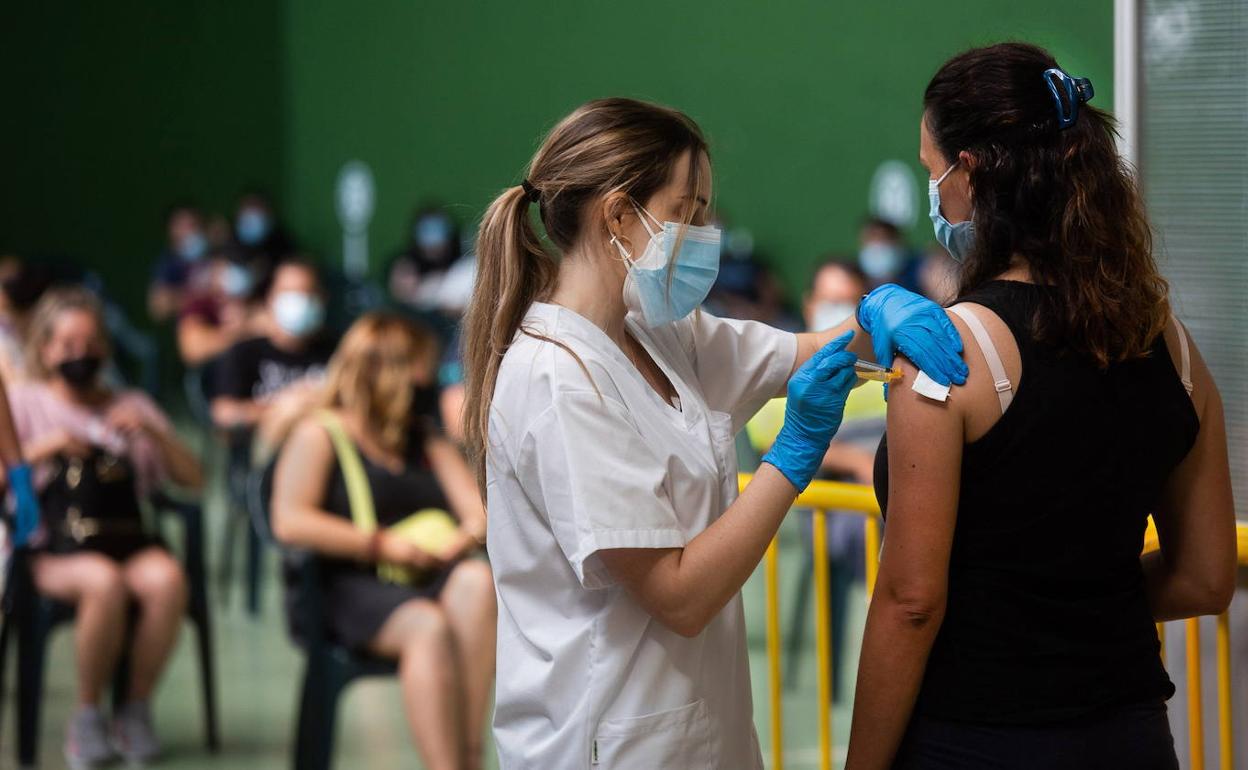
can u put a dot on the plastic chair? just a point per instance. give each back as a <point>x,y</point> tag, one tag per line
<point>330,666</point>
<point>238,472</point>
<point>34,618</point>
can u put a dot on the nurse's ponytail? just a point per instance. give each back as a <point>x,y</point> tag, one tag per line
<point>605,146</point>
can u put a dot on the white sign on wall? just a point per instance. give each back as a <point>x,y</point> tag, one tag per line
<point>894,196</point>
<point>356,198</point>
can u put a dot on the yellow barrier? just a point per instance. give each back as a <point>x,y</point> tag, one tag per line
<point>823,496</point>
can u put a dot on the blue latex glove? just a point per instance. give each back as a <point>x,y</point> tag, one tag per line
<point>27,503</point>
<point>816,403</point>
<point>901,321</point>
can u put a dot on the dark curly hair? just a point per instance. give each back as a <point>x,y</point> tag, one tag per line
<point>1063,199</point>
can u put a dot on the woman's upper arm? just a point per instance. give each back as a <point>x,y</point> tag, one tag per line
<point>925,441</point>
<point>455,477</point>
<point>1196,517</point>
<point>301,475</point>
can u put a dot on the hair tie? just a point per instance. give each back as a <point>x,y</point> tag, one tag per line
<point>1076,90</point>
<point>532,193</point>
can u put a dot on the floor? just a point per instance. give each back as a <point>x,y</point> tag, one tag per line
<point>260,671</point>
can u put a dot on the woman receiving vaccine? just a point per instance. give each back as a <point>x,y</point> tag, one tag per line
<point>1012,624</point>
<point>601,408</point>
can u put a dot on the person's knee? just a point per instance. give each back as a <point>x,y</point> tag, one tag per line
<point>473,580</point>
<point>100,579</point>
<point>158,579</point>
<point>423,625</point>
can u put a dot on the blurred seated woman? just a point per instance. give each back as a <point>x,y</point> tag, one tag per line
<point>440,623</point>
<point>97,452</point>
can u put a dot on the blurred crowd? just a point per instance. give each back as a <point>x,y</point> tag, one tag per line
<point>345,413</point>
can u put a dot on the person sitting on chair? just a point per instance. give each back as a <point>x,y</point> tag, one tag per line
<point>347,484</point>
<point>96,453</point>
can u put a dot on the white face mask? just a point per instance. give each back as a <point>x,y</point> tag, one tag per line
<point>297,313</point>
<point>828,314</point>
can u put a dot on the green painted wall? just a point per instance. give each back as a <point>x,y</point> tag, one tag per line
<point>801,100</point>
<point>112,110</point>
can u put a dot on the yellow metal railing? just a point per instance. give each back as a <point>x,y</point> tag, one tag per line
<point>856,499</point>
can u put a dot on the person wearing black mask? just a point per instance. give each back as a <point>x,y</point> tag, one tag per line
<point>96,452</point>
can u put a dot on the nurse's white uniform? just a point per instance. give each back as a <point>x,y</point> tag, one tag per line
<point>576,464</point>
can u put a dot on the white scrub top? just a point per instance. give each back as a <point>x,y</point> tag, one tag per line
<point>576,464</point>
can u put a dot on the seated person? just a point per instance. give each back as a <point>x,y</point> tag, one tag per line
<point>441,626</point>
<point>259,237</point>
<point>287,359</point>
<point>186,247</point>
<point>21,285</point>
<point>884,256</point>
<point>96,453</point>
<point>218,314</point>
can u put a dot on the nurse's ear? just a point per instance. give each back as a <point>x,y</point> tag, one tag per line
<point>620,218</point>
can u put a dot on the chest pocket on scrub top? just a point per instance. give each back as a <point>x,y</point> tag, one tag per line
<point>677,738</point>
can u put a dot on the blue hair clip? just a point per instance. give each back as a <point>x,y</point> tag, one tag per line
<point>1076,90</point>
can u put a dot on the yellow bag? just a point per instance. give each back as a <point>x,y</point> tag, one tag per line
<point>430,529</point>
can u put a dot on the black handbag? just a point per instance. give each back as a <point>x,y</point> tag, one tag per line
<point>92,503</point>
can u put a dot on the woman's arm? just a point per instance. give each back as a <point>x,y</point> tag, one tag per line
<point>924,463</point>
<point>460,488</point>
<point>139,416</point>
<point>299,519</point>
<point>1194,571</point>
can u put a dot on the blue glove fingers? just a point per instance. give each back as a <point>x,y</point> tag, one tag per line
<point>835,363</point>
<point>833,347</point>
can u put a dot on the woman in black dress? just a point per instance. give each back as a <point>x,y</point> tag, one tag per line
<point>439,624</point>
<point>1012,624</point>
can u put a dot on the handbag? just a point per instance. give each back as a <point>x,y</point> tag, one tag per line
<point>91,503</point>
<point>430,529</point>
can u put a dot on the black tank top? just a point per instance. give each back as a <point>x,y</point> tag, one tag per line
<point>395,495</point>
<point>1046,617</point>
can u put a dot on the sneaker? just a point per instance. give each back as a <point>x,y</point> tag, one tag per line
<point>133,736</point>
<point>86,740</point>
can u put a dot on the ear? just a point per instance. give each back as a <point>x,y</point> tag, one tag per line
<point>616,208</point>
<point>967,160</point>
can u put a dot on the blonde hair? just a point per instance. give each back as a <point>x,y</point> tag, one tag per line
<point>370,374</point>
<point>43,320</point>
<point>604,146</point>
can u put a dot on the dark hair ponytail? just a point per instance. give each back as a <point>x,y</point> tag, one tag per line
<point>1061,198</point>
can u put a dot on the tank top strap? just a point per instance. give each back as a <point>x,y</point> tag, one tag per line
<point>1000,379</point>
<point>1185,355</point>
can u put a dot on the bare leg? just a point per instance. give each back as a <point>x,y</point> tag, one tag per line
<point>157,584</point>
<point>418,635</point>
<point>93,583</point>
<point>472,613</point>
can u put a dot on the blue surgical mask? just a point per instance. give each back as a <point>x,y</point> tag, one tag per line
<point>881,260</point>
<point>297,313</point>
<point>253,227</point>
<point>956,238</point>
<point>193,247</point>
<point>648,289</point>
<point>235,280</point>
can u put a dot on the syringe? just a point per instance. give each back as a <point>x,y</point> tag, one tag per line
<point>869,371</point>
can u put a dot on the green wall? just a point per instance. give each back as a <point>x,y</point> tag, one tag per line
<point>801,100</point>
<point>113,110</point>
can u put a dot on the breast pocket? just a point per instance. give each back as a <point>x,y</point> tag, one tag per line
<point>679,738</point>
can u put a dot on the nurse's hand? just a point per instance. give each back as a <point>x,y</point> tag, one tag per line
<point>901,321</point>
<point>812,415</point>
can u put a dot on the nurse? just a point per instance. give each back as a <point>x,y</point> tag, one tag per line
<point>601,409</point>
